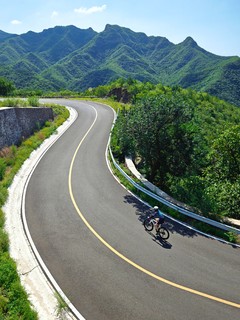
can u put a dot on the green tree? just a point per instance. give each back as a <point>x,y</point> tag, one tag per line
<point>223,173</point>
<point>101,91</point>
<point>6,87</point>
<point>159,130</point>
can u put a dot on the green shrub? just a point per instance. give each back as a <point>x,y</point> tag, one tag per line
<point>231,236</point>
<point>14,103</point>
<point>4,241</point>
<point>18,305</point>
<point>13,298</point>
<point>2,218</point>
<point>3,195</point>
<point>3,167</point>
<point>8,273</point>
<point>33,102</point>
<point>8,154</point>
<point>3,306</point>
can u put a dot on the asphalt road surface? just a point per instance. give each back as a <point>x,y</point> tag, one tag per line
<point>88,230</point>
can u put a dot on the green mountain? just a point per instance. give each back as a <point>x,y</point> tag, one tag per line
<point>76,59</point>
<point>5,35</point>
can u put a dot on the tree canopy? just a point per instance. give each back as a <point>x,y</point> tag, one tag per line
<point>6,87</point>
<point>154,129</point>
<point>223,173</point>
<point>186,142</point>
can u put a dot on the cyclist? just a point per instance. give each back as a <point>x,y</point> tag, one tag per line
<point>158,216</point>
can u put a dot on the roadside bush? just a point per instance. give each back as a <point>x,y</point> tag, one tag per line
<point>33,101</point>
<point>18,303</point>
<point>13,298</point>
<point>3,167</point>
<point>3,194</point>
<point>4,241</point>
<point>8,153</point>
<point>14,103</point>
<point>2,219</point>
<point>8,273</point>
<point>6,87</point>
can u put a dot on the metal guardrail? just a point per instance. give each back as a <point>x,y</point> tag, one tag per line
<point>171,205</point>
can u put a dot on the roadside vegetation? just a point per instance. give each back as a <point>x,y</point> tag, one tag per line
<point>185,142</point>
<point>14,303</point>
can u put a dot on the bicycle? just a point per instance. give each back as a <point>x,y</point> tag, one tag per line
<point>149,224</point>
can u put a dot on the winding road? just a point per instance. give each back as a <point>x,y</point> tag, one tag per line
<point>87,229</point>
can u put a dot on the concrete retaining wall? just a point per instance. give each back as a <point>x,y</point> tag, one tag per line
<point>17,124</point>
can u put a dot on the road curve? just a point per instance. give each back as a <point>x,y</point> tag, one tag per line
<point>87,229</point>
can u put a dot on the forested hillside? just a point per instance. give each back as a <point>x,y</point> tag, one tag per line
<point>185,142</point>
<point>75,59</point>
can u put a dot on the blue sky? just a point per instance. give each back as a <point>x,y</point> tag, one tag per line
<point>213,24</point>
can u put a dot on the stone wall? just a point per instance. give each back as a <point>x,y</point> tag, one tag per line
<point>17,124</point>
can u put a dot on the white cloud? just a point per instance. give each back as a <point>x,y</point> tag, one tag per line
<point>16,22</point>
<point>91,10</point>
<point>54,14</point>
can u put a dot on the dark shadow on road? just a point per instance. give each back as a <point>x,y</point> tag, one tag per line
<point>172,226</point>
<point>163,243</point>
<point>159,241</point>
<point>138,205</point>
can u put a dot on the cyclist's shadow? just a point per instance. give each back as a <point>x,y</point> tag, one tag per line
<point>158,240</point>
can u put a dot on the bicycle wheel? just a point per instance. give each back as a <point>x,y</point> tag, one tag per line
<point>163,233</point>
<point>148,225</point>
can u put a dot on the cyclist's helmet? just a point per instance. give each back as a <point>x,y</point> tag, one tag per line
<point>155,207</point>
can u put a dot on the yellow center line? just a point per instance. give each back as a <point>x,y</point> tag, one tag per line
<point>120,255</point>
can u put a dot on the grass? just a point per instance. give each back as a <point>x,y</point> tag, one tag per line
<point>14,302</point>
<point>14,103</point>
<point>62,305</point>
<point>20,103</point>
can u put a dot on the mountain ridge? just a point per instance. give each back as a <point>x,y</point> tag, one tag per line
<point>75,59</point>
